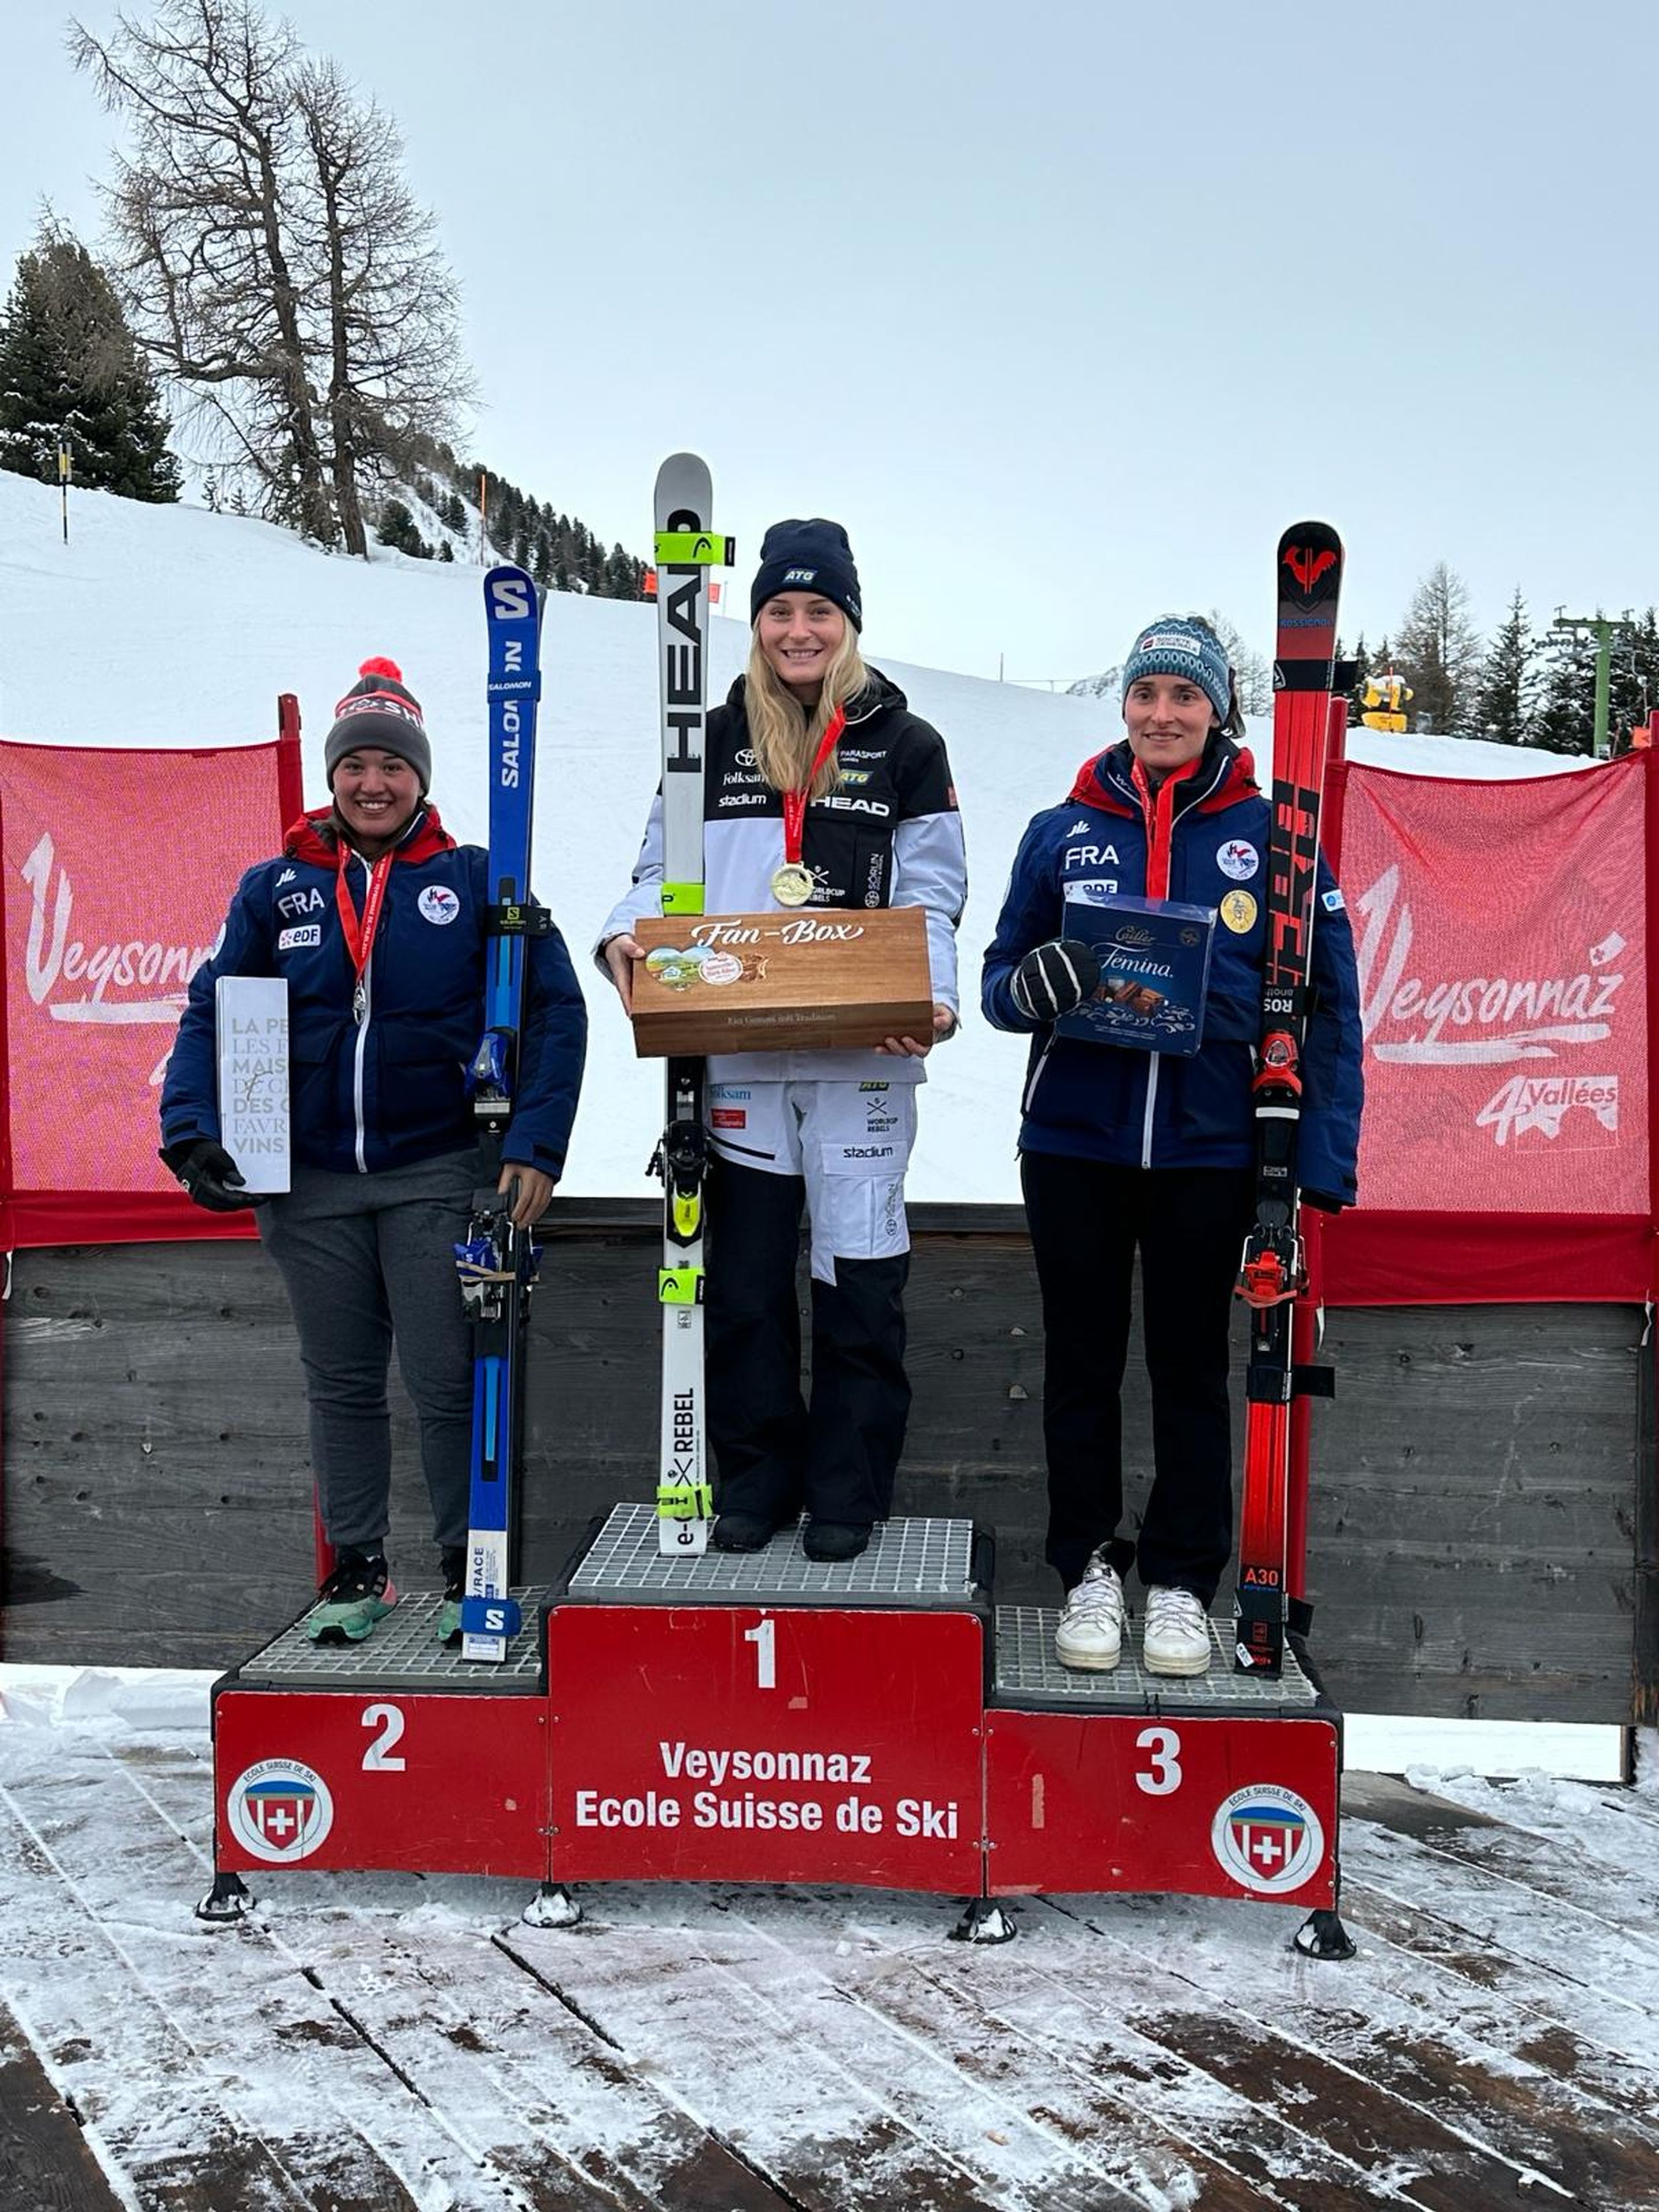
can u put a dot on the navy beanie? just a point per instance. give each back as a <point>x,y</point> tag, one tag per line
<point>379,710</point>
<point>1172,646</point>
<point>808,557</point>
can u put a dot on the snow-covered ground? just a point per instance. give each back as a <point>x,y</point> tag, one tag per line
<point>170,626</point>
<point>394,2044</point>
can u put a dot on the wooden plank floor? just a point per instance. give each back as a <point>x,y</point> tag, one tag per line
<point>387,2043</point>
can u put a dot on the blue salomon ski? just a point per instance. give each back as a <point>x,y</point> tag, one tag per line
<point>497,1262</point>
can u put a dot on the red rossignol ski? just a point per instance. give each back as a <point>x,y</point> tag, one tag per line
<point>1273,1274</point>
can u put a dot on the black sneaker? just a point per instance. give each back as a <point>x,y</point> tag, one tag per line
<point>354,1597</point>
<point>453,1558</point>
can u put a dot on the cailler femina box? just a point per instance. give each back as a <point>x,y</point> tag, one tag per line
<point>783,982</point>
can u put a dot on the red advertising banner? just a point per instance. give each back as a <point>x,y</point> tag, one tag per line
<point>1501,930</point>
<point>116,868</point>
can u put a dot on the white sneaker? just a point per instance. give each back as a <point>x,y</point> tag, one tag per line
<point>1177,1638</point>
<point>1090,1632</point>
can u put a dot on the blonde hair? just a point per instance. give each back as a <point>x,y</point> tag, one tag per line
<point>783,735</point>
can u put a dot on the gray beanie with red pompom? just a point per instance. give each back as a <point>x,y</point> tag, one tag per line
<point>378,711</point>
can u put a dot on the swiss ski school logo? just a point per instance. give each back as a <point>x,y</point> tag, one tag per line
<point>439,905</point>
<point>1268,1838</point>
<point>280,1810</point>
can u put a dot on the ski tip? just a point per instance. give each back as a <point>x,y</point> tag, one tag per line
<point>1323,535</point>
<point>1309,561</point>
<point>511,595</point>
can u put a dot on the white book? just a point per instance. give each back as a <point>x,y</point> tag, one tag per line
<point>251,1014</point>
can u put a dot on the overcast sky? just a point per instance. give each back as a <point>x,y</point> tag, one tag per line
<point>1064,309</point>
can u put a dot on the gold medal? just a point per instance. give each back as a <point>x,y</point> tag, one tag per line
<point>792,884</point>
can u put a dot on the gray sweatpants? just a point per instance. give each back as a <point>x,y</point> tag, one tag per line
<point>364,1257</point>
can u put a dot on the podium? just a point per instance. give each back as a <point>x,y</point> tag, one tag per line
<point>758,1716</point>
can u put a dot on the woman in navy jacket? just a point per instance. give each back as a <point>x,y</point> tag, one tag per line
<point>1123,1149</point>
<point>375,918</point>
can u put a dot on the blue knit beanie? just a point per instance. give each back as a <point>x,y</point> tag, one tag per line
<point>1172,646</point>
<point>808,557</point>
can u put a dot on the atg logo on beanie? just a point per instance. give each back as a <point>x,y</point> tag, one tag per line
<point>806,554</point>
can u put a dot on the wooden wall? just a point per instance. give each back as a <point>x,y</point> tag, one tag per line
<point>1482,1530</point>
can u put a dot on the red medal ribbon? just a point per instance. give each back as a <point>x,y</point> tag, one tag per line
<point>794,802</point>
<point>360,937</point>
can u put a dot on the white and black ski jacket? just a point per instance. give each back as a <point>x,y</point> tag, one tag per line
<point>888,834</point>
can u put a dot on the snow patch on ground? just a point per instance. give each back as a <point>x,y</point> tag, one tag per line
<point>127,1697</point>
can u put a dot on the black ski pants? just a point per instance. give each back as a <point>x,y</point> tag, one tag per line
<point>1087,1220</point>
<point>773,1455</point>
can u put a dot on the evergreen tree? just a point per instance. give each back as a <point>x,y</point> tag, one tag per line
<point>70,374</point>
<point>1438,652</point>
<point>1362,669</point>
<point>1634,677</point>
<point>1565,721</point>
<point>1507,699</point>
<point>624,577</point>
<point>444,552</point>
<point>399,529</point>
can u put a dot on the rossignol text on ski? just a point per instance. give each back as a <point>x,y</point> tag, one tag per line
<point>1273,1273</point>
<point>497,1262</point>
<point>686,551</point>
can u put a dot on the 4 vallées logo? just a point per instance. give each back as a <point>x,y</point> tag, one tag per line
<point>1425,1020</point>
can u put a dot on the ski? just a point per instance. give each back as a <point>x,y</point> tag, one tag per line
<point>684,550</point>
<point>1309,577</point>
<point>497,1262</point>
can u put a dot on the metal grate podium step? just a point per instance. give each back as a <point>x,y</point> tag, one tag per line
<point>910,1561</point>
<point>1029,1674</point>
<point>403,1654</point>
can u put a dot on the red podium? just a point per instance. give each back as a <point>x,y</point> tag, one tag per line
<point>760,1717</point>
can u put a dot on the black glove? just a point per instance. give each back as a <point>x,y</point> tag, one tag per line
<point>1054,978</point>
<point>211,1175</point>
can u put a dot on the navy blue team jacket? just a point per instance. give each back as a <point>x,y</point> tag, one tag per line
<point>1201,835</point>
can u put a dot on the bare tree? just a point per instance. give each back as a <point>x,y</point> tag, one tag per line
<point>381,294</point>
<point>272,258</point>
<point>200,210</point>
<point>1251,673</point>
<point>1439,651</point>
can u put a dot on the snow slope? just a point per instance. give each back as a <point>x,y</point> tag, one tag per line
<point>170,626</point>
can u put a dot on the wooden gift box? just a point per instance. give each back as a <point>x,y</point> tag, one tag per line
<point>797,979</point>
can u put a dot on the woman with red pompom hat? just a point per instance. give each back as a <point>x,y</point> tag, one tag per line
<point>375,918</point>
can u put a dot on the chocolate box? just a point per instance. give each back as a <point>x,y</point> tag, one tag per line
<point>793,979</point>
